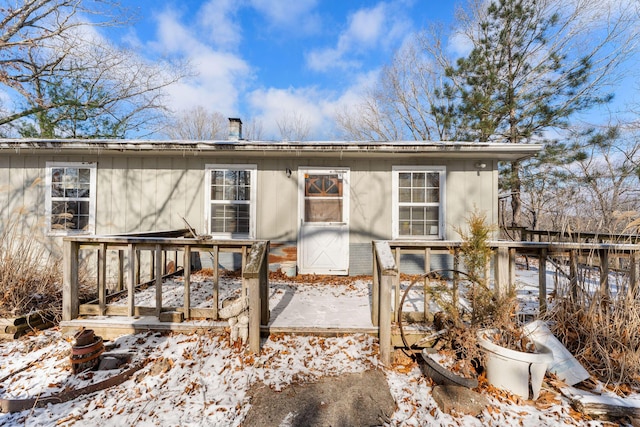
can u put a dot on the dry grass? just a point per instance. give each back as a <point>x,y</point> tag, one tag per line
<point>30,276</point>
<point>603,333</point>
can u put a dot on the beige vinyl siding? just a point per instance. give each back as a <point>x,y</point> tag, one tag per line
<point>163,194</point>
<point>137,192</point>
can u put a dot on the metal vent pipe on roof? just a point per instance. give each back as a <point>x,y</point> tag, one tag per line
<point>235,129</point>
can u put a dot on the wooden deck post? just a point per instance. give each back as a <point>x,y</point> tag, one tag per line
<point>102,278</point>
<point>152,264</point>
<point>634,270</point>
<point>187,282</point>
<point>138,264</point>
<point>158,277</point>
<point>253,285</point>
<point>603,256</point>
<point>573,274</point>
<point>216,279</point>
<point>384,328</point>
<point>131,283</point>
<point>512,268</point>
<point>264,288</point>
<point>375,286</point>
<point>425,285</point>
<point>120,270</point>
<point>396,287</point>
<point>501,270</point>
<point>255,272</point>
<point>542,280</point>
<point>70,303</point>
<point>388,271</point>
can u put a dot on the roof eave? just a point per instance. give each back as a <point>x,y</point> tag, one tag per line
<point>499,151</point>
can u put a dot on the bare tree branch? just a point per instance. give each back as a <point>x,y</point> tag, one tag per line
<point>66,80</point>
<point>293,127</point>
<point>197,124</point>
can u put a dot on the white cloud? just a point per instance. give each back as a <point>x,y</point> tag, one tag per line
<point>217,18</point>
<point>281,13</point>
<point>459,44</point>
<point>318,108</point>
<point>216,85</point>
<point>218,75</point>
<point>172,35</point>
<point>222,77</point>
<point>366,26</point>
<point>354,94</point>
<point>271,105</point>
<point>367,29</point>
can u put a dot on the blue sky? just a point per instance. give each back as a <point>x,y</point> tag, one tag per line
<point>268,59</point>
<point>265,59</point>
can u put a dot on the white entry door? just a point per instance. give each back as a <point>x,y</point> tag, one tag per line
<point>323,245</point>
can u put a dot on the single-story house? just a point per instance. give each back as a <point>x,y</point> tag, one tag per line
<point>320,202</point>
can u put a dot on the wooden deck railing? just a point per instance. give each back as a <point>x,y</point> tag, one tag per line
<point>387,268</point>
<point>528,235</point>
<point>131,249</point>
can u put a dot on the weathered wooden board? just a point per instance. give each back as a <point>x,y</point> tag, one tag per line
<point>602,406</point>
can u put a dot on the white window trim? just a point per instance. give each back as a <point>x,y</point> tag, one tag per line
<point>252,203</point>
<point>92,197</point>
<point>395,226</point>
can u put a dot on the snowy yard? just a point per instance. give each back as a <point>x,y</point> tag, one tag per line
<point>201,380</point>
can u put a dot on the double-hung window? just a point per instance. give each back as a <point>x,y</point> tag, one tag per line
<point>71,198</point>
<point>231,200</point>
<point>418,202</point>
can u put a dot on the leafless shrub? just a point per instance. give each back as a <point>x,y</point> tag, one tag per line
<point>30,276</point>
<point>600,328</point>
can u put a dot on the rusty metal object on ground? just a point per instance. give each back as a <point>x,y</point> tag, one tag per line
<point>85,351</point>
<point>15,405</point>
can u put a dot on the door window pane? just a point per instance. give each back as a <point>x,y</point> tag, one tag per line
<point>323,198</point>
<point>323,210</point>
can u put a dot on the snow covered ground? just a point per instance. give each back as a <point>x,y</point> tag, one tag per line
<point>202,380</point>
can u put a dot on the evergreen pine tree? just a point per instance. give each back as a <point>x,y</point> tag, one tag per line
<point>518,81</point>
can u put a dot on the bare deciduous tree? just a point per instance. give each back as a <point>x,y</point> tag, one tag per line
<point>594,186</point>
<point>253,130</point>
<point>197,123</point>
<point>607,179</point>
<point>293,127</point>
<point>65,80</point>
<point>409,101</point>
